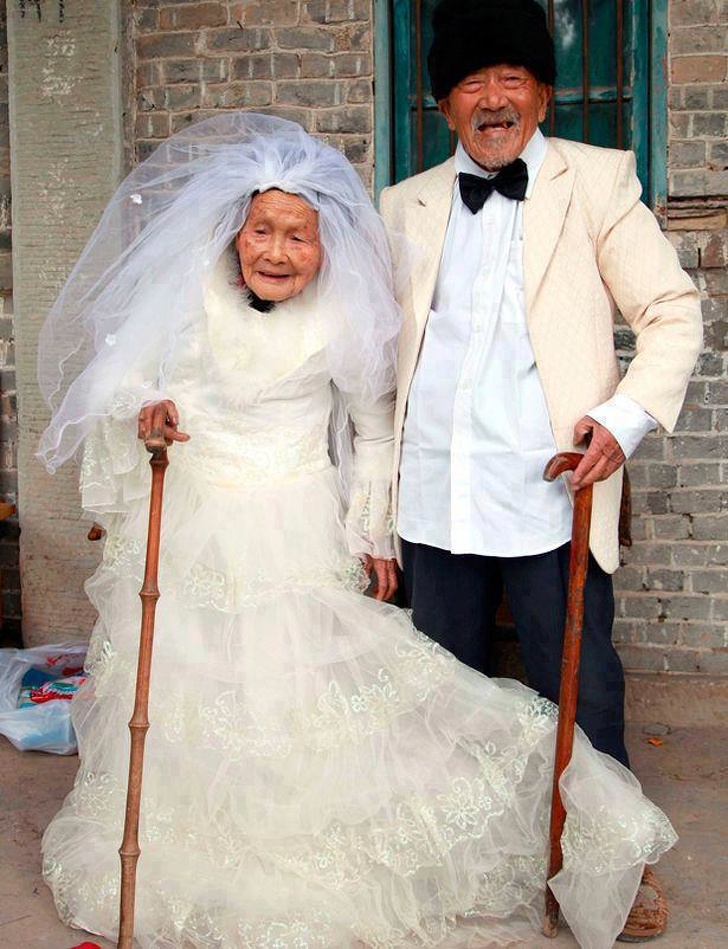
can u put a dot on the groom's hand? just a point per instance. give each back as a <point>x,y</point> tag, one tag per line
<point>602,457</point>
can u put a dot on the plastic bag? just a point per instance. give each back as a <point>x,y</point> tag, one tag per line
<point>45,725</point>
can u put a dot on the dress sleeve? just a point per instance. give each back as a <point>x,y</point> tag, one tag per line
<point>369,522</point>
<point>114,468</point>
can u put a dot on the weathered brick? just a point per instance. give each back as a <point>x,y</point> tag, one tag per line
<point>720,598</point>
<point>183,97</point>
<point>698,474</point>
<point>688,183</point>
<point>638,606</point>
<point>718,155</point>
<point>694,420</point>
<point>146,21</point>
<point>680,126</point>
<point>181,120</point>
<point>194,70</point>
<point>660,476</point>
<point>697,98</point>
<point>710,527</point>
<point>664,634</point>
<point>359,92</point>
<point>687,607</point>
<point>355,148</point>
<point>311,93</point>
<point>696,39</point>
<point>268,13</point>
<point>719,97</point>
<point>152,125</point>
<point>306,38</point>
<point>357,119</point>
<point>686,245</point>
<point>701,554</point>
<point>671,527</point>
<point>652,448</point>
<point>237,95</point>
<point>721,420</point>
<point>236,40</point>
<point>716,335</point>
<point>337,11</point>
<point>630,578</point>
<point>710,581</point>
<point>699,447</point>
<point>670,580</point>
<point>317,66</point>
<point>270,65</point>
<point>354,39</point>
<point>688,154</point>
<point>304,117</point>
<point>167,45</point>
<point>716,280</point>
<point>692,12</point>
<point>703,635</point>
<point>656,554</point>
<point>193,16</point>
<point>640,658</point>
<point>709,125</point>
<point>717,392</point>
<point>654,502</point>
<point>686,660</point>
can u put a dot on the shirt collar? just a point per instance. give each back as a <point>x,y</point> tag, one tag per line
<point>533,155</point>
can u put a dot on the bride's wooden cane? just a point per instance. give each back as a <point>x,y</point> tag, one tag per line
<point>569,687</point>
<point>139,722</point>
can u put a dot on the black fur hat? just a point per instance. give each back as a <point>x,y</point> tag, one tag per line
<point>472,34</point>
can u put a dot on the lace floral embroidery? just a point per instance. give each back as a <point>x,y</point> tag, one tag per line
<point>293,931</point>
<point>603,839</point>
<point>205,587</point>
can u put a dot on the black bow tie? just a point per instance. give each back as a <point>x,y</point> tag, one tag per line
<point>510,181</point>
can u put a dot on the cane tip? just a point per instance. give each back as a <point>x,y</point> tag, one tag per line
<point>550,926</point>
<point>87,945</point>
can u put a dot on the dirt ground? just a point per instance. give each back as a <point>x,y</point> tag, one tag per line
<point>687,775</point>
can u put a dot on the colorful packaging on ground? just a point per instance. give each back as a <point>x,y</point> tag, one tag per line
<point>36,686</point>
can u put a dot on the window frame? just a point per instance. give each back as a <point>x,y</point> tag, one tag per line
<point>392,100</point>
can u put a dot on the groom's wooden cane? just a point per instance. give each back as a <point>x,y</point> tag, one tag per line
<point>569,687</point>
<point>139,722</point>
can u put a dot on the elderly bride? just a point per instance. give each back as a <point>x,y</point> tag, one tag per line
<point>318,773</point>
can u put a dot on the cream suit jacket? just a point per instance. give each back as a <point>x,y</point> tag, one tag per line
<point>590,248</point>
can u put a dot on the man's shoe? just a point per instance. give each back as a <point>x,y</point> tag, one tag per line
<point>648,916</point>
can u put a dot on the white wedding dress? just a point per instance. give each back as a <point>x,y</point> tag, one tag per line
<point>317,773</point>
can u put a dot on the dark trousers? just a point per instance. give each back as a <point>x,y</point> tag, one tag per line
<point>454,598</point>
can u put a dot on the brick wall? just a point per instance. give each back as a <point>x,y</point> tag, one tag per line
<point>305,60</point>
<point>311,61</point>
<point>673,589</point>
<point>9,574</point>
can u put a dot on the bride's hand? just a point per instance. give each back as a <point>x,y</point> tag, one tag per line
<point>160,418</point>
<point>386,573</point>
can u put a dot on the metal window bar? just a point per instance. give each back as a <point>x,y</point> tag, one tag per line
<point>586,97</point>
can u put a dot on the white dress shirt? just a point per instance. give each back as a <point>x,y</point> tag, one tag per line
<point>477,434</point>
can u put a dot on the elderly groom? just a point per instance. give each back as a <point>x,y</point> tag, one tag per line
<point>525,249</point>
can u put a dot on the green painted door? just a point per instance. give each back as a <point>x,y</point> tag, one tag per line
<point>610,88</point>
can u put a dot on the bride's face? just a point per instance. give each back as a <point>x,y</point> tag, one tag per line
<point>279,245</point>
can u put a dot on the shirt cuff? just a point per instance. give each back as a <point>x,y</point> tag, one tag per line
<point>626,420</point>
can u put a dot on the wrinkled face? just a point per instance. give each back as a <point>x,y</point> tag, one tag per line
<point>279,246</point>
<point>495,111</point>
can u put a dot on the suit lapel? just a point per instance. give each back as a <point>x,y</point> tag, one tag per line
<point>543,220</point>
<point>426,224</point>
